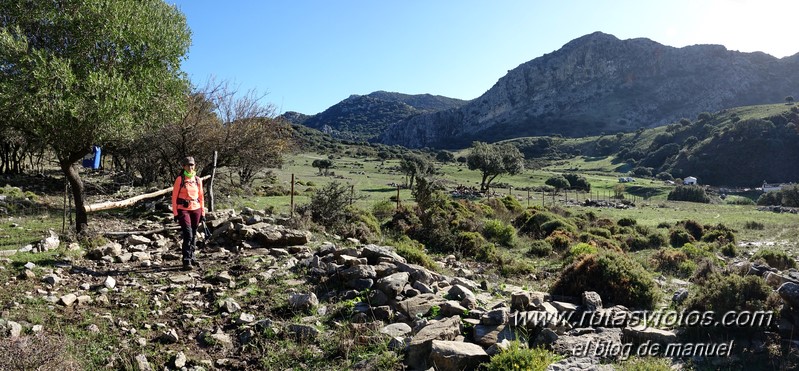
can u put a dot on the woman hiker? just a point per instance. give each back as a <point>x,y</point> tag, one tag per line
<point>188,207</point>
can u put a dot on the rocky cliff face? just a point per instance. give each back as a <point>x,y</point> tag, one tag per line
<point>598,83</point>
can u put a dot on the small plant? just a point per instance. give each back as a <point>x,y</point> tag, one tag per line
<point>517,357</point>
<point>753,225</point>
<point>645,364</point>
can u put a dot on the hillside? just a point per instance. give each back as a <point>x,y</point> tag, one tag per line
<point>599,84</point>
<point>738,147</point>
<point>365,116</point>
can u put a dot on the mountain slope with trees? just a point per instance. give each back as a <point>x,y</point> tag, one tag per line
<point>365,116</point>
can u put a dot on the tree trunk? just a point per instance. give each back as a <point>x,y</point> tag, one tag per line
<point>71,173</point>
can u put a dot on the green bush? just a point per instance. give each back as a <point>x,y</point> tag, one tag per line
<point>729,250</point>
<point>614,276</point>
<point>775,258</point>
<point>627,222</point>
<point>697,251</point>
<point>723,293</point>
<point>359,224</point>
<point>497,231</point>
<point>540,224</point>
<point>383,210</point>
<point>559,240</point>
<point>690,193</point>
<point>414,252</point>
<point>668,260</point>
<point>517,357</point>
<point>720,233</point>
<point>473,244</point>
<point>679,237</point>
<point>581,249</point>
<point>540,248</point>
<point>601,232</point>
<point>512,204</point>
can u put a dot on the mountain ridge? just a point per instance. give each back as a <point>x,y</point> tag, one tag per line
<point>598,83</point>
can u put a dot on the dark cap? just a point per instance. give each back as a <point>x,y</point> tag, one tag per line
<point>188,160</point>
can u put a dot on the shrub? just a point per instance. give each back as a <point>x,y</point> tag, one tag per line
<point>754,225</point>
<point>512,204</point>
<point>540,248</point>
<point>559,240</point>
<point>581,249</point>
<point>690,193</point>
<point>414,252</point>
<point>694,228</point>
<point>680,237</point>
<point>601,232</point>
<point>627,222</point>
<point>514,267</point>
<point>614,276</point>
<point>496,231</point>
<point>729,250</point>
<point>723,293</point>
<point>737,200</point>
<point>383,210</point>
<point>558,224</point>
<point>475,245</point>
<point>775,258</point>
<point>696,251</point>
<point>635,243</point>
<point>668,260</point>
<point>720,233</point>
<point>359,224</point>
<point>516,357</point>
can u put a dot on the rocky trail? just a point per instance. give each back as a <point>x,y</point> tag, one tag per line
<point>263,285</point>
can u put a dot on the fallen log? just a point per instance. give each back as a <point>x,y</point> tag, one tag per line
<point>130,201</point>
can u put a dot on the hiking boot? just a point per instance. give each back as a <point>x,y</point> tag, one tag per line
<point>196,264</point>
<point>186,265</point>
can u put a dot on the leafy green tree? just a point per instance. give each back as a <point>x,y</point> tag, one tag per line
<point>78,73</point>
<point>557,182</point>
<point>578,182</point>
<point>445,156</point>
<point>323,164</point>
<point>493,160</point>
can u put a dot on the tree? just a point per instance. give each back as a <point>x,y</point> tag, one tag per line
<point>445,156</point>
<point>789,99</point>
<point>75,74</point>
<point>323,164</point>
<point>414,166</point>
<point>557,182</point>
<point>493,160</point>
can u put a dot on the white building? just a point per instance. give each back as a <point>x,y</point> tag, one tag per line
<point>689,180</point>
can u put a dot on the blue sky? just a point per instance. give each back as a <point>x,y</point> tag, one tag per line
<point>307,55</point>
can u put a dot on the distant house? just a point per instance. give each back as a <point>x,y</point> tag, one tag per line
<point>771,187</point>
<point>626,179</point>
<point>689,180</point>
